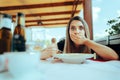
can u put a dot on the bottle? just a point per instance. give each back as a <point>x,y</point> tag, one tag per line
<point>5,33</point>
<point>20,20</point>
<point>19,33</point>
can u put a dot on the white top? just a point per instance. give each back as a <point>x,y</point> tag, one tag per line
<point>91,70</point>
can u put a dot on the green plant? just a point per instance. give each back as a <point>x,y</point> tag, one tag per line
<point>114,26</point>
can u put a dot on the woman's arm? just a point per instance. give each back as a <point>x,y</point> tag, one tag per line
<point>45,54</point>
<point>49,51</point>
<point>103,51</point>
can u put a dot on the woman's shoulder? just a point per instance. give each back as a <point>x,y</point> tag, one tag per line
<point>60,44</point>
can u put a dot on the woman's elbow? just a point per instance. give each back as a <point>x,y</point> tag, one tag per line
<point>116,57</point>
<point>112,56</point>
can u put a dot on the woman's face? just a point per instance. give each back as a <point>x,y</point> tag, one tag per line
<point>76,31</point>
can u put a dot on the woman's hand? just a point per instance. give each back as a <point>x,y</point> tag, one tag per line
<point>45,54</point>
<point>78,38</point>
<point>48,52</point>
<point>56,60</point>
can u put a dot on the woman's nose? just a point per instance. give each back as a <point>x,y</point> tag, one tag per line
<point>77,31</point>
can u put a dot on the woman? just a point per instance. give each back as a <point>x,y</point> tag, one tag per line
<point>77,40</point>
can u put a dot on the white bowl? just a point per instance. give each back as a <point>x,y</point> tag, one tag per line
<point>73,57</point>
<point>20,63</point>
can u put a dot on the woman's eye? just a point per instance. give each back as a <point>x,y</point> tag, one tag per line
<point>81,27</point>
<point>72,28</point>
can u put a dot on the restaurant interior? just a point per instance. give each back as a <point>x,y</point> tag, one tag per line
<point>37,15</point>
<point>23,25</point>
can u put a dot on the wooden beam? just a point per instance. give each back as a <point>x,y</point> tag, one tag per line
<point>55,19</point>
<point>87,6</point>
<point>47,14</point>
<point>48,24</point>
<point>37,6</point>
<point>76,2</point>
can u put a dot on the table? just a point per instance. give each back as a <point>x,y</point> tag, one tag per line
<point>90,70</point>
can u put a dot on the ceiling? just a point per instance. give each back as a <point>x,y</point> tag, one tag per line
<point>52,13</point>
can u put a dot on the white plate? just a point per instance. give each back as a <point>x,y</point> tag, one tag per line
<point>73,57</point>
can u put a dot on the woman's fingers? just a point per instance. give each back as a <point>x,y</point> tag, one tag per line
<point>56,60</point>
<point>77,37</point>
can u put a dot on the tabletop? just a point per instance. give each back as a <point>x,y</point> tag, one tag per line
<point>90,70</point>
